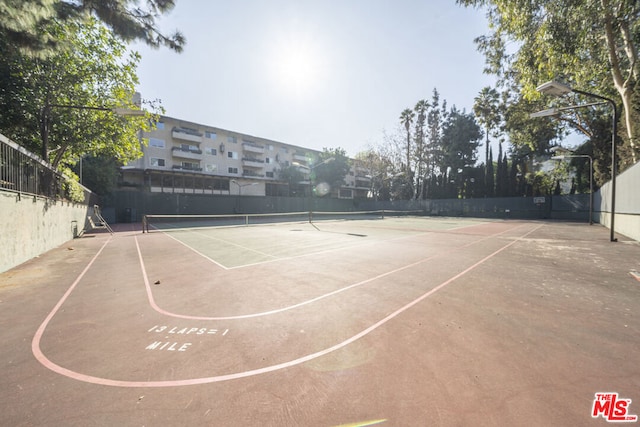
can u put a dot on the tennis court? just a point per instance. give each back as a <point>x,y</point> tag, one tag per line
<point>356,320</point>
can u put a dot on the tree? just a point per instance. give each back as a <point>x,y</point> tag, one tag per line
<point>294,178</point>
<point>380,169</point>
<point>421,160</point>
<point>591,44</point>
<point>92,73</point>
<point>487,110</point>
<point>406,118</point>
<point>461,137</point>
<point>22,22</point>
<point>436,117</point>
<point>331,168</point>
<point>99,173</point>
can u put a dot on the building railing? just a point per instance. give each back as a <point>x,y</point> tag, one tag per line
<point>25,173</point>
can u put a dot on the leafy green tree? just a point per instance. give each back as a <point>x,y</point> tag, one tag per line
<point>294,178</point>
<point>380,169</point>
<point>590,44</point>
<point>99,173</point>
<point>461,138</point>
<point>332,167</point>
<point>60,105</point>
<point>22,22</point>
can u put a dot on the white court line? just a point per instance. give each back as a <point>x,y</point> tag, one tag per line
<point>230,243</point>
<point>219,378</point>
<point>160,310</point>
<point>282,258</point>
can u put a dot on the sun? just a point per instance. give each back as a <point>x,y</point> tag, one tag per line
<point>297,66</point>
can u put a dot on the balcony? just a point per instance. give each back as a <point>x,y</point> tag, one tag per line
<point>186,134</point>
<point>252,162</point>
<point>184,153</point>
<point>252,174</point>
<point>187,168</point>
<point>300,157</point>
<point>252,147</point>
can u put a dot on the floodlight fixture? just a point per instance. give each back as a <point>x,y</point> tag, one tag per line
<point>554,88</point>
<point>545,113</point>
<point>559,89</point>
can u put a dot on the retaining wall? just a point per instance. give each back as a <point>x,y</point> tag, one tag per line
<point>31,225</point>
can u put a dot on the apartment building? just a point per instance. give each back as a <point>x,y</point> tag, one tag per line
<point>187,157</point>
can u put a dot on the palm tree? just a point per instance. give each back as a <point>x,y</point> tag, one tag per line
<point>421,110</point>
<point>406,118</point>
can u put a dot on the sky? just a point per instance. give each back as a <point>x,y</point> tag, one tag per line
<point>323,73</point>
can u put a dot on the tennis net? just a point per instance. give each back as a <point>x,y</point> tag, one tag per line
<point>177,222</point>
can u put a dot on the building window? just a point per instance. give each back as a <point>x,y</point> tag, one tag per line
<point>212,151</point>
<point>160,126</point>
<point>233,170</point>
<point>157,162</point>
<point>210,135</point>
<point>232,139</point>
<point>270,147</point>
<point>211,168</point>
<point>155,142</point>
<point>269,174</point>
<point>267,160</point>
<point>232,154</point>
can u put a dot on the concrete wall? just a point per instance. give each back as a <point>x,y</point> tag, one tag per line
<point>627,214</point>
<point>30,226</point>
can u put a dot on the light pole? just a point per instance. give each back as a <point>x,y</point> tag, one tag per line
<point>311,169</point>
<point>240,186</point>
<point>559,89</point>
<point>585,156</point>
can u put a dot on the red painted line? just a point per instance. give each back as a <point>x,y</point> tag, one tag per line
<point>219,378</point>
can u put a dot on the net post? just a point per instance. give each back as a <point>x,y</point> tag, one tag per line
<point>145,224</point>
<point>246,219</point>
<point>382,213</point>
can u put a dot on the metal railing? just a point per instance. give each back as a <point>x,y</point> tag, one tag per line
<point>25,173</point>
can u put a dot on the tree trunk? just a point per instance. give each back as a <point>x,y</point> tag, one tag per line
<point>621,84</point>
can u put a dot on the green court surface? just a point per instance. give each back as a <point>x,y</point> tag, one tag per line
<point>236,246</point>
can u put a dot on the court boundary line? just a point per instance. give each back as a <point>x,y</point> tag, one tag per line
<point>238,375</point>
<point>285,258</point>
<point>156,307</point>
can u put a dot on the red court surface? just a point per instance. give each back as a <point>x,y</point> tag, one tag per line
<point>394,322</point>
